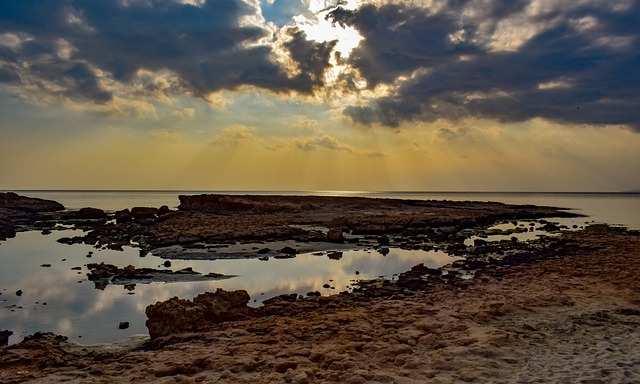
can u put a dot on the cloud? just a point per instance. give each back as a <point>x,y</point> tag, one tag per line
<point>324,142</point>
<point>90,51</point>
<point>166,135</point>
<point>567,62</point>
<point>183,113</point>
<point>233,136</point>
<point>304,123</point>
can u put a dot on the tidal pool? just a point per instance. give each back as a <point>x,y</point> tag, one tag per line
<point>56,296</point>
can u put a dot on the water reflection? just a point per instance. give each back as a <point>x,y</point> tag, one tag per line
<point>62,300</point>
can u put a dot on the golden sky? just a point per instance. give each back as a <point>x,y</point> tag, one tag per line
<point>529,95</point>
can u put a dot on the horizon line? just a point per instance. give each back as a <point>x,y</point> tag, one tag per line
<point>257,191</point>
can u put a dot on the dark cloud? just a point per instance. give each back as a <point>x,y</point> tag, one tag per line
<point>581,66</point>
<point>208,47</point>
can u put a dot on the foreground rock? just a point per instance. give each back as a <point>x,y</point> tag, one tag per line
<point>179,316</point>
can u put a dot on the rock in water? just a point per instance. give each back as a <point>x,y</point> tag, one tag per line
<point>4,337</point>
<point>91,214</point>
<point>179,315</point>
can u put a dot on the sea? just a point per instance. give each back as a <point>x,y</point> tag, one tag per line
<point>44,286</point>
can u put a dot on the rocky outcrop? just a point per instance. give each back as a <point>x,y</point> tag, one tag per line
<point>179,315</point>
<point>242,204</point>
<point>15,201</point>
<point>18,210</point>
<point>103,274</point>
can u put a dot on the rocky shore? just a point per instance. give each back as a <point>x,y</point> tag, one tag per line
<point>572,315</point>
<point>561,309</point>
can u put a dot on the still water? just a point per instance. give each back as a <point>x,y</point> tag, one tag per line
<point>60,299</point>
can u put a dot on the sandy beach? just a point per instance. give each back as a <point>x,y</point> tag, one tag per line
<point>572,317</point>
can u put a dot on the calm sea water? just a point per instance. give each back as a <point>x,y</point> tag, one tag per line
<point>62,300</point>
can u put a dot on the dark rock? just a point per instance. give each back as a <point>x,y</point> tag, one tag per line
<point>384,240</point>
<point>264,250</point>
<point>336,255</point>
<point>7,231</point>
<point>167,263</point>
<point>163,210</point>
<point>335,235</point>
<point>285,256</point>
<point>15,201</point>
<point>383,251</point>
<point>91,214</point>
<point>4,337</point>
<point>19,292</point>
<point>288,251</point>
<point>45,265</point>
<point>123,216</point>
<point>143,213</point>
<point>479,243</point>
<point>179,315</point>
<point>123,325</point>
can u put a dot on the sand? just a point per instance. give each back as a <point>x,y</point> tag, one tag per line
<point>573,319</point>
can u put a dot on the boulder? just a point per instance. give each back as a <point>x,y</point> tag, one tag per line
<point>335,235</point>
<point>179,315</point>
<point>7,231</point>
<point>4,337</point>
<point>144,213</point>
<point>91,214</point>
<point>163,210</point>
<point>123,216</point>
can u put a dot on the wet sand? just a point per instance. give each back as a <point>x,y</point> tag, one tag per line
<point>572,318</point>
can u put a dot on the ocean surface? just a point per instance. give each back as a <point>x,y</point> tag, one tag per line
<point>60,299</point>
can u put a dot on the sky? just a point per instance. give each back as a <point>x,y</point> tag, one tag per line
<point>353,95</point>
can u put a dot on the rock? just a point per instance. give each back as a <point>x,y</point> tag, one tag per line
<point>163,210</point>
<point>123,325</point>
<point>143,213</point>
<point>242,204</point>
<point>167,263</point>
<point>335,235</point>
<point>264,250</point>
<point>15,201</point>
<point>91,214</point>
<point>7,231</point>
<point>19,292</point>
<point>479,243</point>
<point>288,251</point>
<point>123,216</point>
<point>4,337</point>
<point>335,255</point>
<point>45,265</point>
<point>384,240</point>
<point>180,315</point>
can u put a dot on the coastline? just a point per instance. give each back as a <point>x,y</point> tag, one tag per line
<point>573,317</point>
<point>568,311</point>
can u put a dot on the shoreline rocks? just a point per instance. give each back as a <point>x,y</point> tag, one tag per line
<point>179,315</point>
